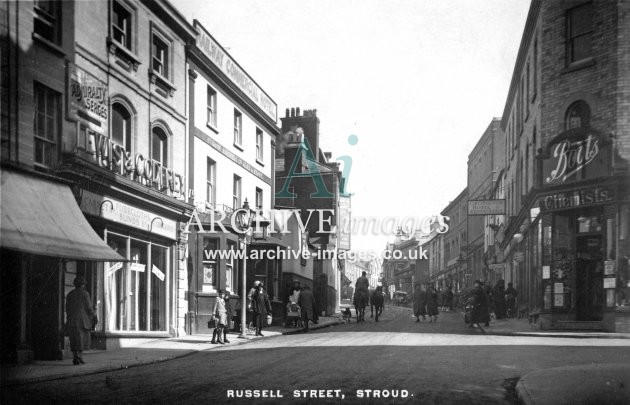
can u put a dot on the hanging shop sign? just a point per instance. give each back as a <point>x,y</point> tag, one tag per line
<point>345,221</point>
<point>119,212</point>
<point>486,207</point>
<point>221,59</point>
<point>576,198</point>
<point>87,99</point>
<point>575,155</point>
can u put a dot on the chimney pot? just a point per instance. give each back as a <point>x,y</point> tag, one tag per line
<point>292,112</point>
<point>286,114</point>
<point>297,112</point>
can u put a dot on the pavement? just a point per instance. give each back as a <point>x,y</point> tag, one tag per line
<point>588,384</point>
<point>159,350</point>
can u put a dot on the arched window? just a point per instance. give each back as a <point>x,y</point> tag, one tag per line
<point>159,146</point>
<point>121,126</point>
<point>578,115</point>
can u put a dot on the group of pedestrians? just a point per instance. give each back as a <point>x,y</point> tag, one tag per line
<point>487,300</point>
<point>305,300</point>
<point>425,303</point>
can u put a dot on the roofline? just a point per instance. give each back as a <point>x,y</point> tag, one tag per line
<point>456,200</point>
<point>173,14</point>
<point>530,24</point>
<point>485,134</point>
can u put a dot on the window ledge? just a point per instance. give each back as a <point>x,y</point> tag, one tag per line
<point>125,57</point>
<point>212,127</point>
<point>260,162</point>
<point>582,64</point>
<point>239,147</point>
<point>49,44</point>
<point>162,83</point>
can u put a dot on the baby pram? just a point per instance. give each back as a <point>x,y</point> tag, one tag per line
<point>294,315</point>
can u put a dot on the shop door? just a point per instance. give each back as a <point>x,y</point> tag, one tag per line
<point>319,286</point>
<point>589,278</point>
<point>44,308</point>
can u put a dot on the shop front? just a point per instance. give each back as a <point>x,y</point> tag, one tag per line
<point>46,242</point>
<point>582,234</point>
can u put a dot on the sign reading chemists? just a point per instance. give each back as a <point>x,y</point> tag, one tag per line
<point>223,61</point>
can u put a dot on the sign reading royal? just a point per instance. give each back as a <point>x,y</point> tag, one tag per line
<point>217,55</point>
<point>576,154</point>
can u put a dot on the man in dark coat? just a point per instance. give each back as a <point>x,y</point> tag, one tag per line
<point>499,300</point>
<point>432,304</point>
<point>510,300</point>
<point>306,301</point>
<point>419,303</point>
<point>80,318</point>
<point>261,307</point>
<point>480,312</point>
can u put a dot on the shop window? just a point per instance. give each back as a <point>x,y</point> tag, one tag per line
<point>136,296</point>
<point>46,125</point>
<point>579,33</point>
<point>46,20</point>
<point>231,272</point>
<point>587,223</point>
<point>121,126</point>
<point>158,293</point>
<point>211,105</point>
<point>238,128</point>
<point>578,115</point>
<point>210,275</point>
<point>121,25</point>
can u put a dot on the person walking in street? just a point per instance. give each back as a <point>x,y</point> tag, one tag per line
<point>220,315</point>
<point>449,298</point>
<point>487,288</point>
<point>80,318</point>
<point>261,306</point>
<point>432,304</point>
<point>306,301</point>
<point>419,302</point>
<point>480,313</point>
<point>230,313</point>
<point>499,300</point>
<point>510,300</point>
<point>250,297</point>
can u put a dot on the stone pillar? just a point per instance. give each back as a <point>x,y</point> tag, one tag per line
<point>182,281</point>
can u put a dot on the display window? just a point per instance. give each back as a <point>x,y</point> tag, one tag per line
<point>136,291</point>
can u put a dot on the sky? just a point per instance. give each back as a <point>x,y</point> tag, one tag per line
<point>417,82</point>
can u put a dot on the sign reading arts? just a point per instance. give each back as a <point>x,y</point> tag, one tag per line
<point>486,207</point>
<point>232,70</point>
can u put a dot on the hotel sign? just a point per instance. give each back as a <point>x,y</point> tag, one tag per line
<point>486,207</point>
<point>221,59</point>
<point>88,99</point>
<point>576,155</point>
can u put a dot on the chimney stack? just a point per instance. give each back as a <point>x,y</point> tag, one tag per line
<point>297,112</point>
<point>292,112</point>
<point>286,114</point>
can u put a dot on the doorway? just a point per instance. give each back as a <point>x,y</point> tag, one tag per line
<point>589,277</point>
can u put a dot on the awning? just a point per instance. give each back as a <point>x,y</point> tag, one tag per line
<point>42,217</point>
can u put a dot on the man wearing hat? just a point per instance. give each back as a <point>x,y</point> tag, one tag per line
<point>79,319</point>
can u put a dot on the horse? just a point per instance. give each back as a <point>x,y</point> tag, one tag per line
<point>377,301</point>
<point>361,298</point>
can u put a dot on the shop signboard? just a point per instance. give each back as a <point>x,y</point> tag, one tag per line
<point>576,198</point>
<point>486,207</point>
<point>575,155</point>
<point>222,60</point>
<point>117,211</point>
<point>609,267</point>
<point>610,282</point>
<point>87,99</point>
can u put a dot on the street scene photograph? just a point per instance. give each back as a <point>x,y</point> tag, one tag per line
<point>315,202</point>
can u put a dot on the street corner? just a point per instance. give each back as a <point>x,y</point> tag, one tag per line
<point>593,383</point>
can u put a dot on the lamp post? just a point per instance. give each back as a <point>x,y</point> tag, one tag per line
<point>246,218</point>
